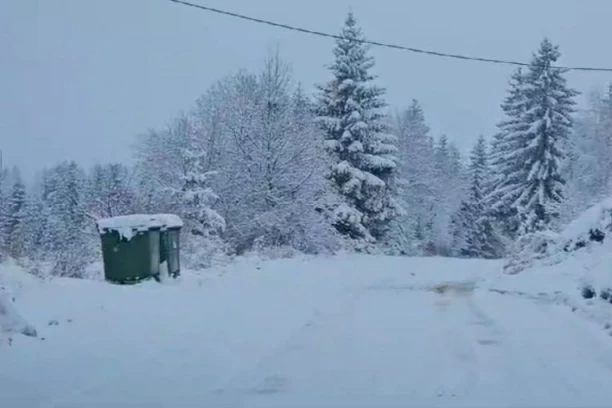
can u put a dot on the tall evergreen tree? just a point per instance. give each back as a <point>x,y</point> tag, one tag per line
<point>417,174</point>
<point>604,136</point>
<point>474,235</point>
<point>363,153</point>
<point>109,190</point>
<point>450,191</point>
<point>535,141</point>
<point>3,204</point>
<point>15,218</point>
<point>505,172</point>
<point>195,196</point>
<point>548,119</point>
<point>67,220</point>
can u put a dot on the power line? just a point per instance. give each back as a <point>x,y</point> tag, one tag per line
<point>376,43</point>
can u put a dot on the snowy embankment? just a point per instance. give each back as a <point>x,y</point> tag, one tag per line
<point>350,331</point>
<point>577,261</point>
<point>11,321</point>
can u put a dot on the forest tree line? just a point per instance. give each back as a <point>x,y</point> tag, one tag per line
<point>258,163</point>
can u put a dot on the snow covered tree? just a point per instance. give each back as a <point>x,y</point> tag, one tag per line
<point>259,135</point>
<point>193,201</point>
<point>505,171</point>
<point>417,184</point>
<point>70,237</point>
<point>473,232</point>
<point>110,193</point>
<point>195,197</point>
<point>36,224</point>
<point>449,176</point>
<point>363,153</point>
<point>160,165</point>
<point>15,217</point>
<point>538,133</point>
<point>548,122</point>
<point>273,164</point>
<point>589,169</point>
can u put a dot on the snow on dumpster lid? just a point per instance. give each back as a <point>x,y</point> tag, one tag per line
<point>126,224</point>
<point>133,221</point>
<point>169,220</point>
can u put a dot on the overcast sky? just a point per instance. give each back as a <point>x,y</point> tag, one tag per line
<point>80,78</point>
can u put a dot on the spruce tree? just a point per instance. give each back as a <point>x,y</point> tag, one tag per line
<point>450,191</point>
<point>473,231</point>
<point>416,173</point>
<point>15,219</point>
<point>362,152</point>
<point>67,220</point>
<point>195,195</point>
<point>532,144</point>
<point>548,124</point>
<point>505,173</point>
<point>605,136</point>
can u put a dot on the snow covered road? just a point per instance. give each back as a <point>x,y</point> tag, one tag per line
<point>344,332</point>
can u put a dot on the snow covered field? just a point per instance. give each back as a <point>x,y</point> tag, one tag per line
<point>352,331</point>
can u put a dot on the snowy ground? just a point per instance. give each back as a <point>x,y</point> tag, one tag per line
<point>327,332</point>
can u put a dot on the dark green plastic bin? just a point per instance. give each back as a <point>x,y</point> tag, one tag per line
<point>135,246</point>
<point>130,247</point>
<point>170,250</point>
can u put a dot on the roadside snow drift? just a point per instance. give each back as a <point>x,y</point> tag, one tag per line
<point>11,321</point>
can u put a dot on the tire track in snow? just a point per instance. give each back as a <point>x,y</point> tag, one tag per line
<point>559,303</point>
<point>232,390</point>
<point>539,360</point>
<point>494,349</point>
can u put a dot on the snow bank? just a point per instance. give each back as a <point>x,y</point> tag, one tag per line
<point>545,248</point>
<point>589,225</point>
<point>11,321</point>
<point>128,225</point>
<point>573,267</point>
<point>12,281</point>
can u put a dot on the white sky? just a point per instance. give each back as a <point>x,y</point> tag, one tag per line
<point>80,78</point>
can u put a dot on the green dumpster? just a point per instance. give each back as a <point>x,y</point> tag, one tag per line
<point>130,247</point>
<point>170,244</point>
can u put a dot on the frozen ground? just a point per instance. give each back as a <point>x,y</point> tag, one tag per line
<point>351,331</point>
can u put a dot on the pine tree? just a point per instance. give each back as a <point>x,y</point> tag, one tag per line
<point>536,134</point>
<point>109,191</point>
<point>505,172</point>
<point>549,104</point>
<point>416,170</point>
<point>15,218</point>
<point>450,191</point>
<point>195,197</point>
<point>35,225</point>
<point>604,136</point>
<point>3,205</point>
<point>474,235</point>
<point>362,151</point>
<point>68,240</point>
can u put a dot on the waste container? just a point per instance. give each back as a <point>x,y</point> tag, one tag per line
<point>130,247</point>
<point>170,243</point>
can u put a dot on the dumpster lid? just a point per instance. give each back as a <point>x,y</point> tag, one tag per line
<point>125,225</point>
<point>169,220</point>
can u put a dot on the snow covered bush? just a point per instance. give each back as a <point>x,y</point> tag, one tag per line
<point>533,249</point>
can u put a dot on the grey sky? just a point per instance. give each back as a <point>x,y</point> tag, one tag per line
<point>80,78</point>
